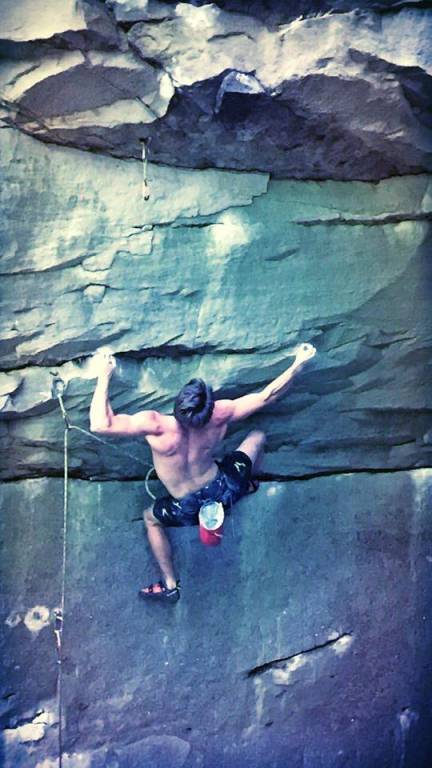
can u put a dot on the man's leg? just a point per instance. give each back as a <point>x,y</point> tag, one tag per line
<point>160,547</point>
<point>253,446</point>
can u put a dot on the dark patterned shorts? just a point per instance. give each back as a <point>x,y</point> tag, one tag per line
<point>229,485</point>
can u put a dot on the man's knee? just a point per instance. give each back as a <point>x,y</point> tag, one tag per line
<point>258,435</point>
<point>149,518</point>
<point>253,445</point>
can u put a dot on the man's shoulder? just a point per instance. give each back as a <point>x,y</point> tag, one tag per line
<point>222,411</point>
<point>155,422</point>
<point>166,422</point>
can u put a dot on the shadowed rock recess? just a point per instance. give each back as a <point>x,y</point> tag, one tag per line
<point>290,148</point>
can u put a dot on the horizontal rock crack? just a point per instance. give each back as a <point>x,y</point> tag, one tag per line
<point>277,478</point>
<point>79,474</point>
<point>373,221</point>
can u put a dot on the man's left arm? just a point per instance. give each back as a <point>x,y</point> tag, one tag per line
<point>242,407</point>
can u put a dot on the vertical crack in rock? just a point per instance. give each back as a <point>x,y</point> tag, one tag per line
<point>342,639</point>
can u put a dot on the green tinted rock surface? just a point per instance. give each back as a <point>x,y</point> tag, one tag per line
<point>219,275</point>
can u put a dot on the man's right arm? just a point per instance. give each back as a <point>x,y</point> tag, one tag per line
<point>104,421</point>
<point>245,406</point>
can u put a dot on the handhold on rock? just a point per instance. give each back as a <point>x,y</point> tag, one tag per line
<point>103,361</point>
<point>304,352</point>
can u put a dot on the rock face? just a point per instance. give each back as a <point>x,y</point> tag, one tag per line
<point>219,274</point>
<point>292,89</point>
<point>287,150</point>
<point>318,660</point>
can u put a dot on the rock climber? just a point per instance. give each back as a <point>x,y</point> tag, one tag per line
<point>183,447</point>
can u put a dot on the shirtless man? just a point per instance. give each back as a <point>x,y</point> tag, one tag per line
<point>183,447</point>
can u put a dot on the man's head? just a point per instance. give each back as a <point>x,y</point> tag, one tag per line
<point>194,404</point>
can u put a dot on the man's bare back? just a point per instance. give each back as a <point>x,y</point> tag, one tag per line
<point>184,459</point>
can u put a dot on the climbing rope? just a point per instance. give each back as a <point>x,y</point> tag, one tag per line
<point>59,613</point>
<point>98,439</point>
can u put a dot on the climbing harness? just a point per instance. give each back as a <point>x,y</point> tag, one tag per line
<point>59,613</point>
<point>144,157</point>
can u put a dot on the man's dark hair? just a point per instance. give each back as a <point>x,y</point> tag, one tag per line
<point>194,404</point>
